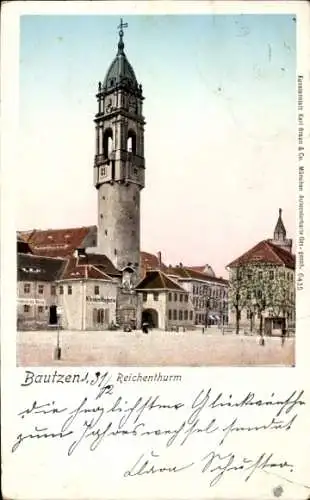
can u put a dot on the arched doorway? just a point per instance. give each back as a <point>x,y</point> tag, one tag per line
<point>150,316</point>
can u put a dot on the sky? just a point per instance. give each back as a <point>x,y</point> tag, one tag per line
<point>220,135</point>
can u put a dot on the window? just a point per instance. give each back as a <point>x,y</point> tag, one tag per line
<point>260,275</point>
<point>186,315</point>
<point>259,294</point>
<point>40,289</point>
<point>61,290</point>
<point>131,142</point>
<point>103,171</point>
<point>96,290</point>
<point>144,297</point>
<point>186,298</point>
<point>175,297</point>
<point>94,316</point>
<point>155,295</point>
<point>40,309</point>
<point>248,295</point>
<point>181,297</point>
<point>169,314</point>
<point>169,297</point>
<point>26,308</point>
<point>174,314</point>
<point>271,275</point>
<point>53,290</point>
<point>101,316</point>
<point>191,315</point>
<point>27,288</point>
<point>248,315</point>
<point>69,289</point>
<point>180,315</point>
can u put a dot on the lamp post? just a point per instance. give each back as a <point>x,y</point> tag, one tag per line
<point>223,308</point>
<point>56,325</point>
<point>207,304</point>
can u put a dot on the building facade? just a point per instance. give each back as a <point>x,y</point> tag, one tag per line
<point>262,287</point>
<point>36,289</point>
<point>208,294</point>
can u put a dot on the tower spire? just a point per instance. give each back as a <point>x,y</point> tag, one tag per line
<point>121,34</point>
<point>279,231</point>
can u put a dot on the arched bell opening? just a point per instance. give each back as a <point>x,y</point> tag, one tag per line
<point>107,143</point>
<point>132,142</point>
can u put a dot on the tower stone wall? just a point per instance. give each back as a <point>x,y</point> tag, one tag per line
<point>119,223</point>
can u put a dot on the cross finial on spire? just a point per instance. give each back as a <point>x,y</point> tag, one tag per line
<point>121,34</point>
<point>121,26</point>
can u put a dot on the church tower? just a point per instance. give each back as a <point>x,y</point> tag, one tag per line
<point>279,235</point>
<point>119,162</point>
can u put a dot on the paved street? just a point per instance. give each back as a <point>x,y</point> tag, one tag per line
<point>158,348</point>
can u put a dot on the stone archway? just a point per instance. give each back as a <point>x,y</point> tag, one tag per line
<point>150,316</point>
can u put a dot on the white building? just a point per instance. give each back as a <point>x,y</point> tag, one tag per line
<point>165,304</point>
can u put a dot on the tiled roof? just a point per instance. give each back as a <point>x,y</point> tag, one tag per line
<point>199,269</point>
<point>57,242</point>
<point>37,268</point>
<point>63,242</point>
<point>267,253</point>
<point>157,280</point>
<point>102,262</point>
<point>206,269</point>
<point>191,274</point>
<point>150,261</point>
<point>77,268</point>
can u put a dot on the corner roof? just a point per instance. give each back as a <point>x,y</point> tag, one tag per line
<point>265,252</point>
<point>157,280</point>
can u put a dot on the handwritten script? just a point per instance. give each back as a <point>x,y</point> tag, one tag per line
<point>160,425</point>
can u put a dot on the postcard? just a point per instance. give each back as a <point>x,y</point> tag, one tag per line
<point>154,250</point>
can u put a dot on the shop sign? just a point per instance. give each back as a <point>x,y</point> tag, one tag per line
<point>105,300</point>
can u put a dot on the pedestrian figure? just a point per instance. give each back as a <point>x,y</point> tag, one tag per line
<point>145,328</point>
<point>283,337</point>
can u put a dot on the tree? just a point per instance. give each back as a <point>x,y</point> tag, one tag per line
<point>237,293</point>
<point>267,290</point>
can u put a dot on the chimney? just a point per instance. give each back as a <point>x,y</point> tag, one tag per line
<point>180,265</point>
<point>159,260</point>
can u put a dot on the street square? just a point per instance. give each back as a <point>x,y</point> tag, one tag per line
<point>157,348</point>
